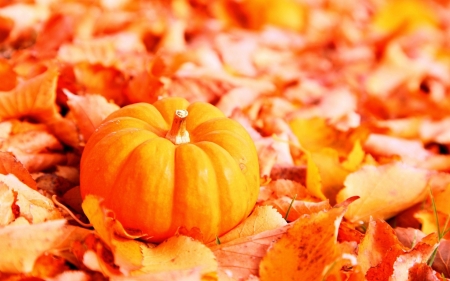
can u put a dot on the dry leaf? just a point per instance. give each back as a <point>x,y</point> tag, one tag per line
<point>6,205</point>
<point>25,243</point>
<point>379,249</point>
<point>89,111</point>
<point>240,258</point>
<point>136,258</point>
<point>315,134</point>
<point>33,98</point>
<point>32,205</point>
<point>10,165</point>
<point>384,191</point>
<point>410,16</point>
<point>178,253</point>
<point>442,260</point>
<point>307,249</point>
<point>262,218</point>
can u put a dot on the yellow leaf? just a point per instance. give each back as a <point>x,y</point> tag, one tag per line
<point>256,14</point>
<point>410,15</point>
<point>315,134</point>
<point>263,218</point>
<point>384,190</point>
<point>127,253</point>
<point>331,172</point>
<point>306,250</point>
<point>178,253</point>
<point>21,245</point>
<point>355,158</point>
<point>193,274</point>
<point>240,258</point>
<point>441,200</point>
<point>313,178</point>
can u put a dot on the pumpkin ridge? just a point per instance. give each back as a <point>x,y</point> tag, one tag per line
<point>236,185</point>
<point>195,207</point>
<point>126,184</point>
<point>93,146</point>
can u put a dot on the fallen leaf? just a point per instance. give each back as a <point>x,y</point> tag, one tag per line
<point>378,250</point>
<point>89,111</point>
<point>25,243</point>
<point>262,218</point>
<point>193,274</point>
<point>33,98</point>
<point>410,16</point>
<point>315,134</point>
<point>10,165</point>
<point>33,205</point>
<point>127,253</point>
<point>178,253</point>
<point>418,255</point>
<point>442,261</point>
<point>136,258</point>
<point>6,207</point>
<point>307,249</point>
<point>240,258</point>
<point>384,190</point>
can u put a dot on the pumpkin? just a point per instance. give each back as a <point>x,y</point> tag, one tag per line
<point>172,164</point>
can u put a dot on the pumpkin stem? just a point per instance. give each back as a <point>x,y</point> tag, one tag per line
<point>178,133</point>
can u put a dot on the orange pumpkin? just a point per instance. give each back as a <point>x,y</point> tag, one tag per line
<point>172,164</point>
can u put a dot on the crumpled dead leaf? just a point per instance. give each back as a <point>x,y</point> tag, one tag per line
<point>384,190</point>
<point>89,111</point>
<point>135,257</point>
<point>240,258</point>
<point>25,243</point>
<point>308,249</point>
<point>261,219</point>
<point>33,98</point>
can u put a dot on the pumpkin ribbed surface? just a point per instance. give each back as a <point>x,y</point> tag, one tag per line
<point>155,186</point>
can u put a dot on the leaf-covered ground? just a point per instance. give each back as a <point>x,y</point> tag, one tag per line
<point>348,103</point>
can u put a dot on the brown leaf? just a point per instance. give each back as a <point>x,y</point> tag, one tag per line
<point>442,261</point>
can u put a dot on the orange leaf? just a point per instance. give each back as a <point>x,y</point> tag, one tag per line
<point>308,249</point>
<point>240,258</point>
<point>7,74</point>
<point>34,98</point>
<point>10,165</point>
<point>89,111</point>
<point>379,245</point>
<point>384,190</point>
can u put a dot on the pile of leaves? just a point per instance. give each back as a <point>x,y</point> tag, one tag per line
<point>348,103</point>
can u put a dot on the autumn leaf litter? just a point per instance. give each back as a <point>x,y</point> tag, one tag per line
<point>342,100</point>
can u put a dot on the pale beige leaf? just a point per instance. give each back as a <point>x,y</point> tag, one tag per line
<point>21,245</point>
<point>6,202</point>
<point>89,111</point>
<point>384,190</point>
<point>240,258</point>
<point>193,274</point>
<point>263,218</point>
<point>178,253</point>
